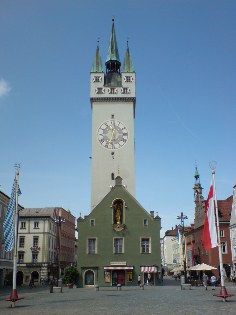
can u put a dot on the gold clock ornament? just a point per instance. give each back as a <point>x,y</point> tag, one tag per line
<point>112,134</point>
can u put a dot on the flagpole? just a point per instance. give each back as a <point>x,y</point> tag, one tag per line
<point>222,279</point>
<point>14,296</point>
<point>16,238</point>
<point>223,292</point>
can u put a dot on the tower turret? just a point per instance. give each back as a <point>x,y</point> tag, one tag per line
<point>97,63</point>
<point>127,64</point>
<point>199,201</point>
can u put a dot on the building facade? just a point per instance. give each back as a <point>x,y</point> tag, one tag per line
<point>233,233</point>
<point>195,249</point>
<point>119,239</point>
<point>45,243</point>
<point>171,253</point>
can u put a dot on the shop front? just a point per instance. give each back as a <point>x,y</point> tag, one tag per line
<point>114,275</point>
<point>149,275</point>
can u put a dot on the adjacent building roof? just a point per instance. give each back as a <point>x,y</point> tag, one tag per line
<point>225,208</point>
<point>37,212</point>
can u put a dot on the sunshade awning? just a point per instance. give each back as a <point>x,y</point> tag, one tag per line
<point>118,268</point>
<point>149,269</point>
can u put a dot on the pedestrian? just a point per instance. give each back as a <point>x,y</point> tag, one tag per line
<point>139,280</point>
<point>213,282</point>
<point>149,279</point>
<point>204,280</point>
<point>31,283</point>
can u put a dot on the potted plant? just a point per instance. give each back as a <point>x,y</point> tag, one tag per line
<point>71,276</point>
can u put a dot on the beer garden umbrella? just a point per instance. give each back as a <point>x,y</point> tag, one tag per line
<point>203,267</point>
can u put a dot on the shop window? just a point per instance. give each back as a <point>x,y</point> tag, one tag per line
<point>129,276</point>
<point>107,276</point>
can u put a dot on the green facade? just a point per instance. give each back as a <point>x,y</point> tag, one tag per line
<point>107,230</point>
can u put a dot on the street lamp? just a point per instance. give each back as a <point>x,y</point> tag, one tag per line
<point>59,221</point>
<point>183,217</point>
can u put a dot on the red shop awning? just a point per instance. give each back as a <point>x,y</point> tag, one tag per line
<point>149,269</point>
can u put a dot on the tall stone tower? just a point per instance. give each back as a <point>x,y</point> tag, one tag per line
<point>199,201</point>
<point>112,96</point>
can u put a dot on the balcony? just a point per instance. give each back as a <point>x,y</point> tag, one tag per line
<point>35,249</point>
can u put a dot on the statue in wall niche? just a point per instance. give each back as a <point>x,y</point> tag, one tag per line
<point>118,212</point>
<point>118,215</point>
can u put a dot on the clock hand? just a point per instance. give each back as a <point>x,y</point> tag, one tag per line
<point>113,134</point>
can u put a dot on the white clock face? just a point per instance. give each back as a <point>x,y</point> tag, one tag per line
<point>112,134</point>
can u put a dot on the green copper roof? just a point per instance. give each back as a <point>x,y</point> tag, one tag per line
<point>196,175</point>
<point>97,63</point>
<point>127,65</point>
<point>113,53</point>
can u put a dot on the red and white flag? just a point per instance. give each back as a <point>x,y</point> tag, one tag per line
<point>209,235</point>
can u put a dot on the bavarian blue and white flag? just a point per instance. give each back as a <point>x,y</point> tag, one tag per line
<point>8,224</point>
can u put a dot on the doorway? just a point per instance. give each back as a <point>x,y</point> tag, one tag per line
<point>118,277</point>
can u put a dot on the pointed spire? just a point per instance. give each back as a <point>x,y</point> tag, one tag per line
<point>97,63</point>
<point>113,59</point>
<point>196,175</point>
<point>127,65</point>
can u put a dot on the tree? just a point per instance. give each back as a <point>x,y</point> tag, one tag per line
<point>71,275</point>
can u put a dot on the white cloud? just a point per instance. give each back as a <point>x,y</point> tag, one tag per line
<point>4,87</point>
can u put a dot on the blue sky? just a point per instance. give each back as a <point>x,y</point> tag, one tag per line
<point>184,54</point>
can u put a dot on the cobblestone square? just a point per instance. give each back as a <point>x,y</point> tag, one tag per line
<point>166,299</point>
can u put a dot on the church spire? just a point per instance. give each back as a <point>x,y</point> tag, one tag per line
<point>196,175</point>
<point>97,63</point>
<point>113,59</point>
<point>197,187</point>
<point>127,65</point>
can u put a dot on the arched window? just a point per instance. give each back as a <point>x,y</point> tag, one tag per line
<point>89,277</point>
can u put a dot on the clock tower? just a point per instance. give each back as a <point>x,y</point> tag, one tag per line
<point>112,96</point>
